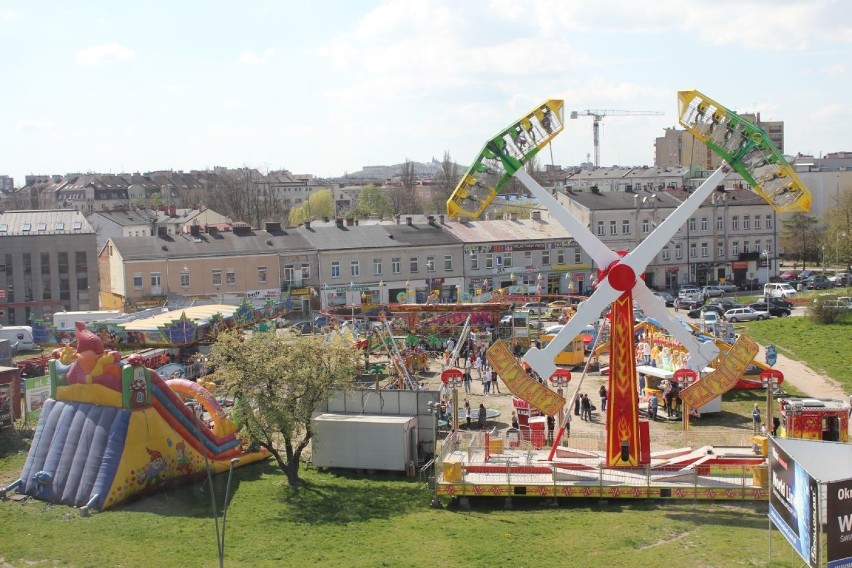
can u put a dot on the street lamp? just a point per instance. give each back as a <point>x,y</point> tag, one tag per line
<point>234,461</point>
<point>408,291</point>
<point>381,291</point>
<point>766,263</point>
<point>435,409</point>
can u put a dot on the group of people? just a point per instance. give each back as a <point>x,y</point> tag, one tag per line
<point>481,414</point>
<point>583,407</point>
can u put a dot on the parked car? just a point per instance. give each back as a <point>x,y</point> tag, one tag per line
<point>301,327</point>
<point>789,276</point>
<point>699,312</point>
<point>774,310</point>
<point>724,304</point>
<point>534,308</point>
<point>778,290</point>
<point>727,286</point>
<point>804,274</point>
<point>816,282</point>
<point>750,284</point>
<point>690,303</point>
<point>744,314</point>
<point>712,292</point>
<point>709,318</point>
<point>666,297</point>
<point>841,279</point>
<point>780,302</point>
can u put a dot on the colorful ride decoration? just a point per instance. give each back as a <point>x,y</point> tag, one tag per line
<point>502,156</point>
<point>747,148</point>
<point>560,378</point>
<point>113,429</point>
<point>453,378</point>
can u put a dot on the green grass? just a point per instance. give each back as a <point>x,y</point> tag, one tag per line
<point>357,521</point>
<point>823,348</point>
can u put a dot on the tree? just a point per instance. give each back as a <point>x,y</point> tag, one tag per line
<point>319,204</point>
<point>279,381</point>
<point>372,201</point>
<point>799,237</point>
<point>448,178</point>
<point>838,231</point>
<point>402,199</point>
<point>244,195</point>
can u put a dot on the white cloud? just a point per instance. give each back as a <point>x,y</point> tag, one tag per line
<point>253,58</point>
<point>836,70</point>
<point>7,16</point>
<point>830,112</point>
<point>34,125</point>
<point>102,54</point>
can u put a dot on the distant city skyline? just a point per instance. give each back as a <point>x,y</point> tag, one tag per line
<point>331,87</point>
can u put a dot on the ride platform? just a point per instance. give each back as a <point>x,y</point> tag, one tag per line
<point>472,466</point>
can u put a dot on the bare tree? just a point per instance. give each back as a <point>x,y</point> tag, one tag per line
<point>448,178</point>
<point>402,197</point>
<point>245,195</point>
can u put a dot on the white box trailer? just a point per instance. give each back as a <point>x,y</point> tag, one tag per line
<point>364,441</point>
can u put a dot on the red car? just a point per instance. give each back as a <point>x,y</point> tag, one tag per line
<point>789,275</point>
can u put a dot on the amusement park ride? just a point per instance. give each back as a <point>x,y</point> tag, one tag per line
<point>745,149</point>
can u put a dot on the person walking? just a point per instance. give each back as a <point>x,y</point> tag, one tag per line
<point>482,416</point>
<point>577,402</point>
<point>467,380</point>
<point>755,419</point>
<point>468,413</point>
<point>653,406</point>
<point>515,423</point>
<point>586,408</point>
<point>494,385</point>
<point>677,305</point>
<point>486,384</point>
<point>603,394</point>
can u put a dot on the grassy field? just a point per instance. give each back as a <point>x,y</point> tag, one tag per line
<point>380,521</point>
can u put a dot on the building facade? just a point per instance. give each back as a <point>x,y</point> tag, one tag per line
<point>47,264</point>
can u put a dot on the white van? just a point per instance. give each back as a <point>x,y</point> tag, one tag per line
<point>778,290</point>
<point>20,337</point>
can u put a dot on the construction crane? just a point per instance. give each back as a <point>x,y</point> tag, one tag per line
<point>598,116</point>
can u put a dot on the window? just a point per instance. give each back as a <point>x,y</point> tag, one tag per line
<point>217,277</point>
<point>231,277</point>
<point>646,226</point>
<point>560,256</point>
<point>156,281</point>
<point>184,279</point>
<point>354,269</point>
<point>3,227</point>
<point>757,248</point>
<point>720,250</point>
<point>261,274</point>
<point>306,271</point>
<point>768,222</point>
<point>474,262</point>
<point>60,226</point>
<point>666,254</point>
<point>26,227</point>
<point>578,258</point>
<point>42,227</point>
<point>746,246</point>
<point>704,223</point>
<point>489,261</point>
<point>414,264</point>
<point>625,227</point>
<point>613,228</point>
<point>377,266</point>
<point>692,225</point>
<point>545,257</point>
<point>678,252</point>
<point>77,225</point>
<point>720,223</point>
<point>600,228</point>
<point>693,250</point>
<point>735,223</point>
<point>137,280</point>
<point>757,221</point>
<point>507,260</point>
<point>430,264</point>
<point>704,250</point>
<point>448,263</point>
<point>747,222</point>
<point>735,248</point>
<point>46,292</point>
<point>395,265</point>
<point>335,270</point>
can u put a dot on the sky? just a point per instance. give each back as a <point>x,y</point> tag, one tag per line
<point>329,86</point>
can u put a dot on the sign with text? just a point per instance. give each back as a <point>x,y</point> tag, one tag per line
<point>839,523</point>
<point>36,392</point>
<point>520,384</point>
<point>793,502</point>
<point>728,371</point>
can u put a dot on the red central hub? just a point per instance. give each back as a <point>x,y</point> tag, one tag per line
<point>622,277</point>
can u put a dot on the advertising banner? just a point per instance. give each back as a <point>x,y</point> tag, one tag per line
<point>520,384</point>
<point>36,392</point>
<point>6,418</point>
<point>793,502</point>
<point>839,524</point>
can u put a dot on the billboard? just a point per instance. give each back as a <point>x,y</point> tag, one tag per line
<point>839,523</point>
<point>36,392</point>
<point>793,502</point>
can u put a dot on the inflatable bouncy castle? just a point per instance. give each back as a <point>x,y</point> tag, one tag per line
<point>113,429</point>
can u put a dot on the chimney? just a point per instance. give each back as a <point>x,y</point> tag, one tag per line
<point>195,230</point>
<point>350,222</point>
<point>213,231</point>
<point>339,223</point>
<point>513,216</point>
<point>430,219</point>
<point>535,215</point>
<point>441,218</point>
<point>307,224</point>
<point>408,221</point>
<point>272,227</point>
<point>172,211</point>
